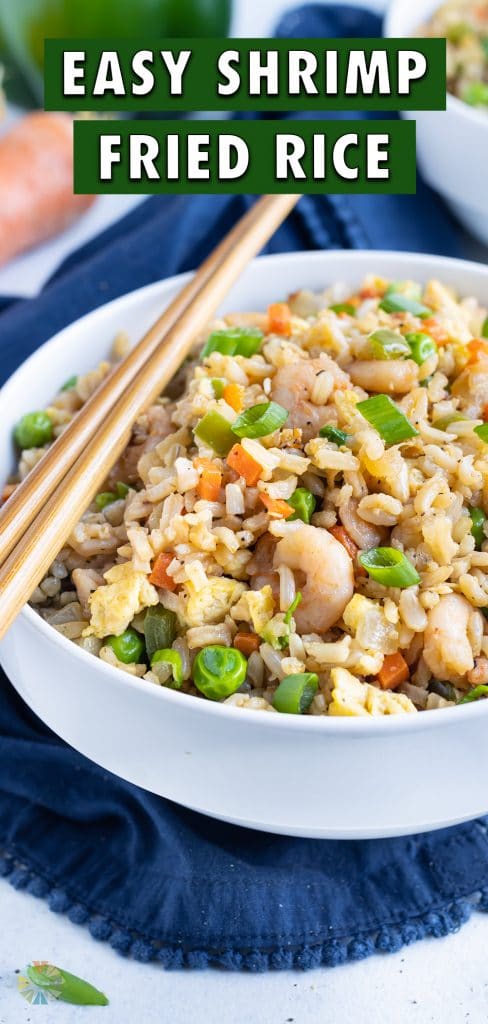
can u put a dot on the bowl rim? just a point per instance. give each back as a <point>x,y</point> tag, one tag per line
<point>333,724</point>
<point>458,106</point>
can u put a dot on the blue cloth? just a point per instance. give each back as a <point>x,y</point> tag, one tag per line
<point>155,880</point>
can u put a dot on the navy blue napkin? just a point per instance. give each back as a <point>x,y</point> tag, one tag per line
<point>155,880</point>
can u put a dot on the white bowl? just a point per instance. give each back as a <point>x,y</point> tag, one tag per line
<point>310,776</point>
<point>452,145</point>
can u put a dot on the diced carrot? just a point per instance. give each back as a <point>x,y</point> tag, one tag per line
<point>343,537</point>
<point>210,482</point>
<point>393,672</point>
<point>276,506</point>
<point>7,491</point>
<point>159,577</point>
<point>279,319</point>
<point>431,325</point>
<point>246,643</point>
<point>477,348</point>
<point>371,292</point>
<point>244,465</point>
<point>485,413</point>
<point>232,394</point>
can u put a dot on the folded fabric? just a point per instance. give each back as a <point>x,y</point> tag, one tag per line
<point>155,880</point>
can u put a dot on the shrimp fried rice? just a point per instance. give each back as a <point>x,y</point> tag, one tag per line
<point>299,524</point>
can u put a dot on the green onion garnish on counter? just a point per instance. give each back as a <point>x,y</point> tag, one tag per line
<point>390,422</point>
<point>422,346</point>
<point>174,660</point>
<point>219,671</point>
<point>394,302</point>
<point>389,567</point>
<point>296,693</point>
<point>304,503</point>
<point>216,432</point>
<point>260,420</point>
<point>386,344</point>
<point>236,341</point>
<point>333,434</point>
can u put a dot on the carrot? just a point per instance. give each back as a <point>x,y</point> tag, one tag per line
<point>485,413</point>
<point>393,672</point>
<point>210,482</point>
<point>159,577</point>
<point>36,182</point>
<point>232,394</point>
<point>431,325</point>
<point>279,319</point>
<point>276,507</point>
<point>477,348</point>
<point>246,643</point>
<point>244,465</point>
<point>343,537</point>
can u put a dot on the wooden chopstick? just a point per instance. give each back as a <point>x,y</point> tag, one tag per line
<point>29,497</point>
<point>55,508</point>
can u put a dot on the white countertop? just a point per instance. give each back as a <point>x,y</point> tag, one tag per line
<point>436,981</point>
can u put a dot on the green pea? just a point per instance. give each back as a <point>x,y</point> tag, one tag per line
<point>478,520</point>
<point>34,430</point>
<point>105,498</point>
<point>219,671</point>
<point>304,503</point>
<point>128,647</point>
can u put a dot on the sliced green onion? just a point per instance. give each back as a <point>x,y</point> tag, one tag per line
<point>105,498</point>
<point>296,693</point>
<point>422,346</point>
<point>333,434</point>
<point>219,671</point>
<point>409,288</point>
<point>34,430</point>
<point>476,694</point>
<point>292,609</point>
<point>478,520</point>
<point>128,647</point>
<point>390,422</point>
<point>235,341</point>
<point>218,385</point>
<point>122,489</point>
<point>442,689</point>
<point>260,420</point>
<point>65,987</point>
<point>476,94</point>
<point>445,421</point>
<point>69,384</point>
<point>304,503</point>
<point>389,567</point>
<point>397,303</point>
<point>215,431</point>
<point>343,307</point>
<point>386,344</point>
<point>484,329</point>
<point>482,431</point>
<point>159,629</point>
<point>172,658</point>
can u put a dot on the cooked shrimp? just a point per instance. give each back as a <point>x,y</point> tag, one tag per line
<point>293,387</point>
<point>329,577</point>
<point>364,534</point>
<point>447,649</point>
<point>396,376</point>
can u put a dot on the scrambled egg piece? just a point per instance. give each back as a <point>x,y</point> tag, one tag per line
<point>213,601</point>
<point>367,621</point>
<point>256,606</point>
<point>113,607</point>
<point>352,698</point>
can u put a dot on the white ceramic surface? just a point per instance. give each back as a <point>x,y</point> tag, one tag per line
<point>452,145</point>
<point>319,777</point>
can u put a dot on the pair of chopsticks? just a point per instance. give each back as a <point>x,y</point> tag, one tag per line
<point>42,511</point>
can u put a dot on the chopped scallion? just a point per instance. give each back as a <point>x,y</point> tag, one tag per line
<point>343,307</point>
<point>422,346</point>
<point>216,432</point>
<point>484,329</point>
<point>386,344</point>
<point>397,303</point>
<point>69,384</point>
<point>478,520</point>
<point>338,437</point>
<point>482,432</point>
<point>174,660</point>
<point>260,420</point>
<point>236,341</point>
<point>296,693</point>
<point>390,422</point>
<point>292,609</point>
<point>389,567</point>
<point>218,385</point>
<point>445,421</point>
<point>304,503</point>
<point>476,694</point>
